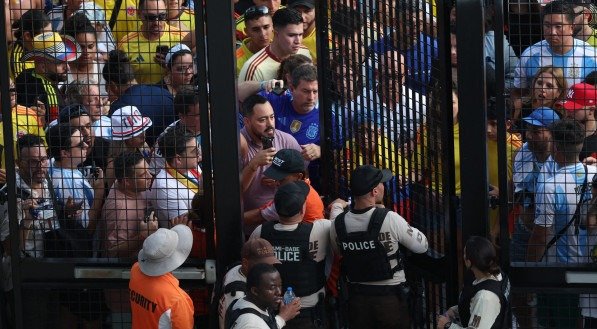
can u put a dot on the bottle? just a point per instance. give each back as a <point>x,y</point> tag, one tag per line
<point>289,296</point>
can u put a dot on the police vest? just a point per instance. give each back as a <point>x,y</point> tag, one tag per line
<point>298,269</point>
<point>500,288</point>
<point>364,258</point>
<point>233,315</point>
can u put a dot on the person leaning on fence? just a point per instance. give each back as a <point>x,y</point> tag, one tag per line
<point>485,301</point>
<point>288,35</point>
<point>368,237</point>
<point>234,283</point>
<point>303,249</point>
<point>156,299</point>
<point>175,186</point>
<point>557,208</point>
<point>38,86</point>
<point>264,297</point>
<point>260,128</point>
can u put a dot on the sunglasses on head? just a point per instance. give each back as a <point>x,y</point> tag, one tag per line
<point>256,11</point>
<point>155,18</point>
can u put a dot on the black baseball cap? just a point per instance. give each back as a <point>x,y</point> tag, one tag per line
<point>366,177</point>
<point>285,162</point>
<point>290,198</point>
<point>307,3</point>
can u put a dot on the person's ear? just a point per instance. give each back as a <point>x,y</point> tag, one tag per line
<point>246,121</point>
<point>254,291</point>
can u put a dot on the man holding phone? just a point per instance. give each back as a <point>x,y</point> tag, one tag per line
<point>263,141</point>
<point>147,48</point>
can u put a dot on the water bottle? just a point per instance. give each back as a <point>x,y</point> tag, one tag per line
<point>289,296</point>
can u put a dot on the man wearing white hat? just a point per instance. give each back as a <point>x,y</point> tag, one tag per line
<point>156,299</point>
<point>51,54</point>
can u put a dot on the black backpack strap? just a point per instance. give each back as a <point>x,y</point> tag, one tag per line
<point>574,220</point>
<point>233,287</point>
<point>233,315</point>
<point>375,223</point>
<point>340,225</point>
<point>115,12</point>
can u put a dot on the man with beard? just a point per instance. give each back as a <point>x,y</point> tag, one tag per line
<point>51,54</point>
<point>263,140</point>
<point>584,16</point>
<point>264,295</point>
<point>580,105</point>
<point>559,48</point>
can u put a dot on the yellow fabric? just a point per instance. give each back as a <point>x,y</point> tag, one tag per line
<point>386,151</point>
<point>592,40</point>
<point>126,21</point>
<point>187,18</point>
<point>182,179</point>
<point>16,65</point>
<point>24,121</point>
<point>142,52</point>
<point>311,43</point>
<point>242,55</point>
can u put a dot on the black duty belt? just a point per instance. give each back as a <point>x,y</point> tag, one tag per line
<point>371,290</point>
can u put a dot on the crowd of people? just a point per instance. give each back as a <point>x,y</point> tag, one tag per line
<point>108,157</point>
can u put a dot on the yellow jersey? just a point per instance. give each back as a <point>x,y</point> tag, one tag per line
<point>15,64</point>
<point>24,121</point>
<point>141,52</point>
<point>242,55</point>
<point>310,42</point>
<point>126,20</point>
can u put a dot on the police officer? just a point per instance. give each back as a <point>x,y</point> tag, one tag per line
<point>302,248</point>
<point>368,237</point>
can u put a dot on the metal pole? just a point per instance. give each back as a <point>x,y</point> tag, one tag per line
<point>224,133</point>
<point>470,33</point>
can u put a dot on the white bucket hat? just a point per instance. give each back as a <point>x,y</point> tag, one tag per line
<point>165,250</point>
<point>127,122</point>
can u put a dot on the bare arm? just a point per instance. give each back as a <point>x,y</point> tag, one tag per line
<point>536,247</point>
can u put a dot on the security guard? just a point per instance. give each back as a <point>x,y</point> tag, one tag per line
<point>368,237</point>
<point>302,248</point>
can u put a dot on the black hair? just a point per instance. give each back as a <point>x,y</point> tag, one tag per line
<point>252,14</point>
<point>255,275</point>
<point>118,69</point>
<point>78,23</point>
<point>124,163</point>
<point>559,7</point>
<point>292,62</point>
<point>568,135</point>
<point>305,73</point>
<point>345,21</point>
<point>187,96</point>
<point>176,55</point>
<point>71,112</point>
<point>33,21</point>
<point>286,16</point>
<point>28,140</point>
<point>59,139</point>
<point>492,111</point>
<point>174,142</point>
<point>591,78</point>
<point>481,253</point>
<point>250,102</point>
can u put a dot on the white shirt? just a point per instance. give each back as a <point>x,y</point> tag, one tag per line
<point>485,308</point>
<point>394,227</point>
<point>252,321</point>
<point>169,197</point>
<point>319,246</point>
<point>234,274</point>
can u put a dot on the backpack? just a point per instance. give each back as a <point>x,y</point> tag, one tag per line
<point>233,315</point>
<point>218,291</point>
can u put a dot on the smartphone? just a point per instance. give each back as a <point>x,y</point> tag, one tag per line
<point>278,90</point>
<point>268,142</point>
<point>149,213</point>
<point>162,49</point>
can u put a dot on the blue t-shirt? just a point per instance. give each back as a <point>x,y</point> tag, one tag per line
<point>303,127</point>
<point>418,59</point>
<point>152,101</point>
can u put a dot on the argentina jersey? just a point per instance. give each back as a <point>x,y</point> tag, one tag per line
<point>304,127</point>
<point>577,63</point>
<point>556,201</point>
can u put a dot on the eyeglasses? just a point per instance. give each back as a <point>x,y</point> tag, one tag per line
<point>12,90</point>
<point>36,162</point>
<point>184,69</point>
<point>155,18</point>
<point>256,11</point>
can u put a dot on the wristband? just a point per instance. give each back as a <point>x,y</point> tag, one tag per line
<point>262,85</point>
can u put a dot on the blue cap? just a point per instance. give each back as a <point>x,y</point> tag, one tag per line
<point>542,117</point>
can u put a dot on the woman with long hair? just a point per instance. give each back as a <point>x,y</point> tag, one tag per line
<point>485,302</point>
<point>548,87</point>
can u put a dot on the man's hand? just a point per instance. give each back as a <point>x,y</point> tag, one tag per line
<point>589,161</point>
<point>262,158</point>
<point>311,152</point>
<point>339,201</point>
<point>181,219</point>
<point>26,206</point>
<point>2,176</point>
<point>72,208</point>
<point>441,321</point>
<point>290,311</point>
<point>149,226</point>
<point>160,59</point>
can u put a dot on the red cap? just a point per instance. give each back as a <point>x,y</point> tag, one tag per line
<point>579,96</point>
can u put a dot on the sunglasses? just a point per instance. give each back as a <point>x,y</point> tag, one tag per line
<point>155,18</point>
<point>256,11</point>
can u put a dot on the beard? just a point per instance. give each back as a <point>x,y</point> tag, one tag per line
<point>57,77</point>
